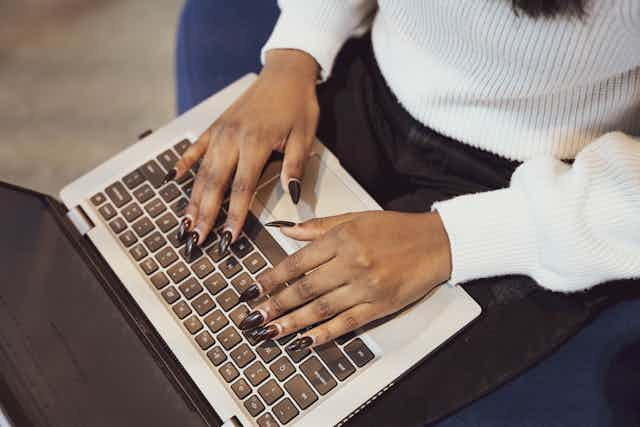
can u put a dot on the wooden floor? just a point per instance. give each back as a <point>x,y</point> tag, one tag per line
<point>79,79</point>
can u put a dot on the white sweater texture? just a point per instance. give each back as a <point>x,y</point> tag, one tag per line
<point>533,90</point>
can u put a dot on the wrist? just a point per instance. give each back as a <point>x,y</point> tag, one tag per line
<point>440,247</point>
<point>292,61</point>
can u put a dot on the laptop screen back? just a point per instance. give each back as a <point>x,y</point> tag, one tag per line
<point>67,355</point>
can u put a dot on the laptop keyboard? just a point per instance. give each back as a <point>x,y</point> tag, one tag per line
<point>274,385</point>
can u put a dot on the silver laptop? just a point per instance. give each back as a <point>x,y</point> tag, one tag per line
<point>131,218</point>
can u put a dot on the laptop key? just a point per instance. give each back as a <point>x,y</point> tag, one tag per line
<point>168,159</point>
<point>270,391</point>
<point>178,272</point>
<point>196,253</point>
<point>107,211</point>
<point>228,299</point>
<point>166,222</point>
<point>184,178</point>
<point>166,257</point>
<point>241,388</point>
<point>205,340</point>
<point>118,194</point>
<point>256,373</point>
<point>170,295</point>
<point>239,314</point>
<point>193,324</point>
<point>335,360</point>
<point>285,339</point>
<point>254,262</point>
<point>190,288</point>
<point>133,179</point>
<point>217,355</point>
<point>268,351</point>
<point>301,392</point>
<point>254,406</point>
<point>153,173</point>
<point>143,193</point>
<point>131,212</point>
<point>203,304</point>
<point>216,321</point>
<point>138,252</point>
<point>173,238</point>
<point>142,227</point>
<point>267,420</point>
<point>215,283</point>
<point>179,206</point>
<point>182,146</point>
<point>128,238</point>
<point>242,282</point>
<point>241,247</point>
<point>188,188</point>
<point>181,310</point>
<point>149,266</point>
<point>345,338</point>
<point>155,241</point>
<point>298,355</point>
<point>230,267</point>
<point>318,375</point>
<point>159,280</point>
<point>229,372</point>
<point>285,410</point>
<point>229,338</point>
<point>202,268</point>
<point>98,199</point>
<point>359,352</point>
<point>155,207</point>
<point>282,368</point>
<point>118,225</point>
<point>242,355</point>
<point>170,192</point>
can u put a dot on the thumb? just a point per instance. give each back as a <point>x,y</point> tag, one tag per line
<point>317,227</point>
<point>296,153</point>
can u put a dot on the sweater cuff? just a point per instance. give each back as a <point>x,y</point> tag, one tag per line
<point>323,44</point>
<point>491,234</point>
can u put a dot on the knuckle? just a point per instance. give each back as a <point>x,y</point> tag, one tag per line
<point>351,322</point>
<point>323,308</point>
<point>240,186</point>
<point>292,264</point>
<point>305,289</point>
<point>276,304</point>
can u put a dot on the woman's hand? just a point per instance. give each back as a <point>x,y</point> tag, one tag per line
<point>358,268</point>
<point>278,112</point>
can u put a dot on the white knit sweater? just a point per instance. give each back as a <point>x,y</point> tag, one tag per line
<point>531,90</point>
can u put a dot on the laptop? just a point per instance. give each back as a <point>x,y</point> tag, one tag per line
<point>104,321</point>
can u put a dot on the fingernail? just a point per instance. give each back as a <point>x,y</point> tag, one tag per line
<point>279,224</point>
<point>192,241</point>
<point>266,332</point>
<point>253,319</point>
<point>223,245</point>
<point>294,190</point>
<point>182,230</point>
<point>251,292</point>
<point>169,176</point>
<point>300,344</point>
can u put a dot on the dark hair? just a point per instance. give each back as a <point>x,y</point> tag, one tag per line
<point>549,8</point>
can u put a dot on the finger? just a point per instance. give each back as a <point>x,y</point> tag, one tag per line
<point>349,320</point>
<point>317,227</point>
<point>296,153</point>
<point>321,308</point>
<point>324,279</point>
<point>193,154</point>
<point>243,187</point>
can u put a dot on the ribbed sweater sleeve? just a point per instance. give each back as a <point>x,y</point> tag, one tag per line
<point>318,27</point>
<point>569,227</point>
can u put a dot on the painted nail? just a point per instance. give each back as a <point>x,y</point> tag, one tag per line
<point>253,319</point>
<point>294,190</point>
<point>169,176</point>
<point>192,241</point>
<point>223,245</point>
<point>279,224</point>
<point>266,332</point>
<point>300,344</point>
<point>251,292</point>
<point>182,230</point>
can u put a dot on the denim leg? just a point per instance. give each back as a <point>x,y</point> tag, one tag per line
<point>218,42</point>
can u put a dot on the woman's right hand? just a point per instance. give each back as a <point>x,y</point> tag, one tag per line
<point>278,112</point>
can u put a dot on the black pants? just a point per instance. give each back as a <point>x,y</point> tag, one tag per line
<point>406,167</point>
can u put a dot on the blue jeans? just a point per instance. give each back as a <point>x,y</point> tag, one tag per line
<point>592,380</point>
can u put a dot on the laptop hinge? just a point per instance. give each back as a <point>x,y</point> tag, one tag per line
<point>80,220</point>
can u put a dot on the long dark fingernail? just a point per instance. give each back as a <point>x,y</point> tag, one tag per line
<point>280,224</point>
<point>223,245</point>
<point>169,176</point>
<point>253,319</point>
<point>300,344</point>
<point>265,333</point>
<point>192,241</point>
<point>294,190</point>
<point>182,230</point>
<point>250,293</point>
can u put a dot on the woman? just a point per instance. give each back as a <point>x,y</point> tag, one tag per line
<point>508,124</point>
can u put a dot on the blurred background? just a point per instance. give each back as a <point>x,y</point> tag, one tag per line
<point>79,80</point>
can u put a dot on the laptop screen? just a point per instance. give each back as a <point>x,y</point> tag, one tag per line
<point>67,355</point>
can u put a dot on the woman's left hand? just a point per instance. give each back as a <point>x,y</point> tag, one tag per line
<point>358,268</point>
